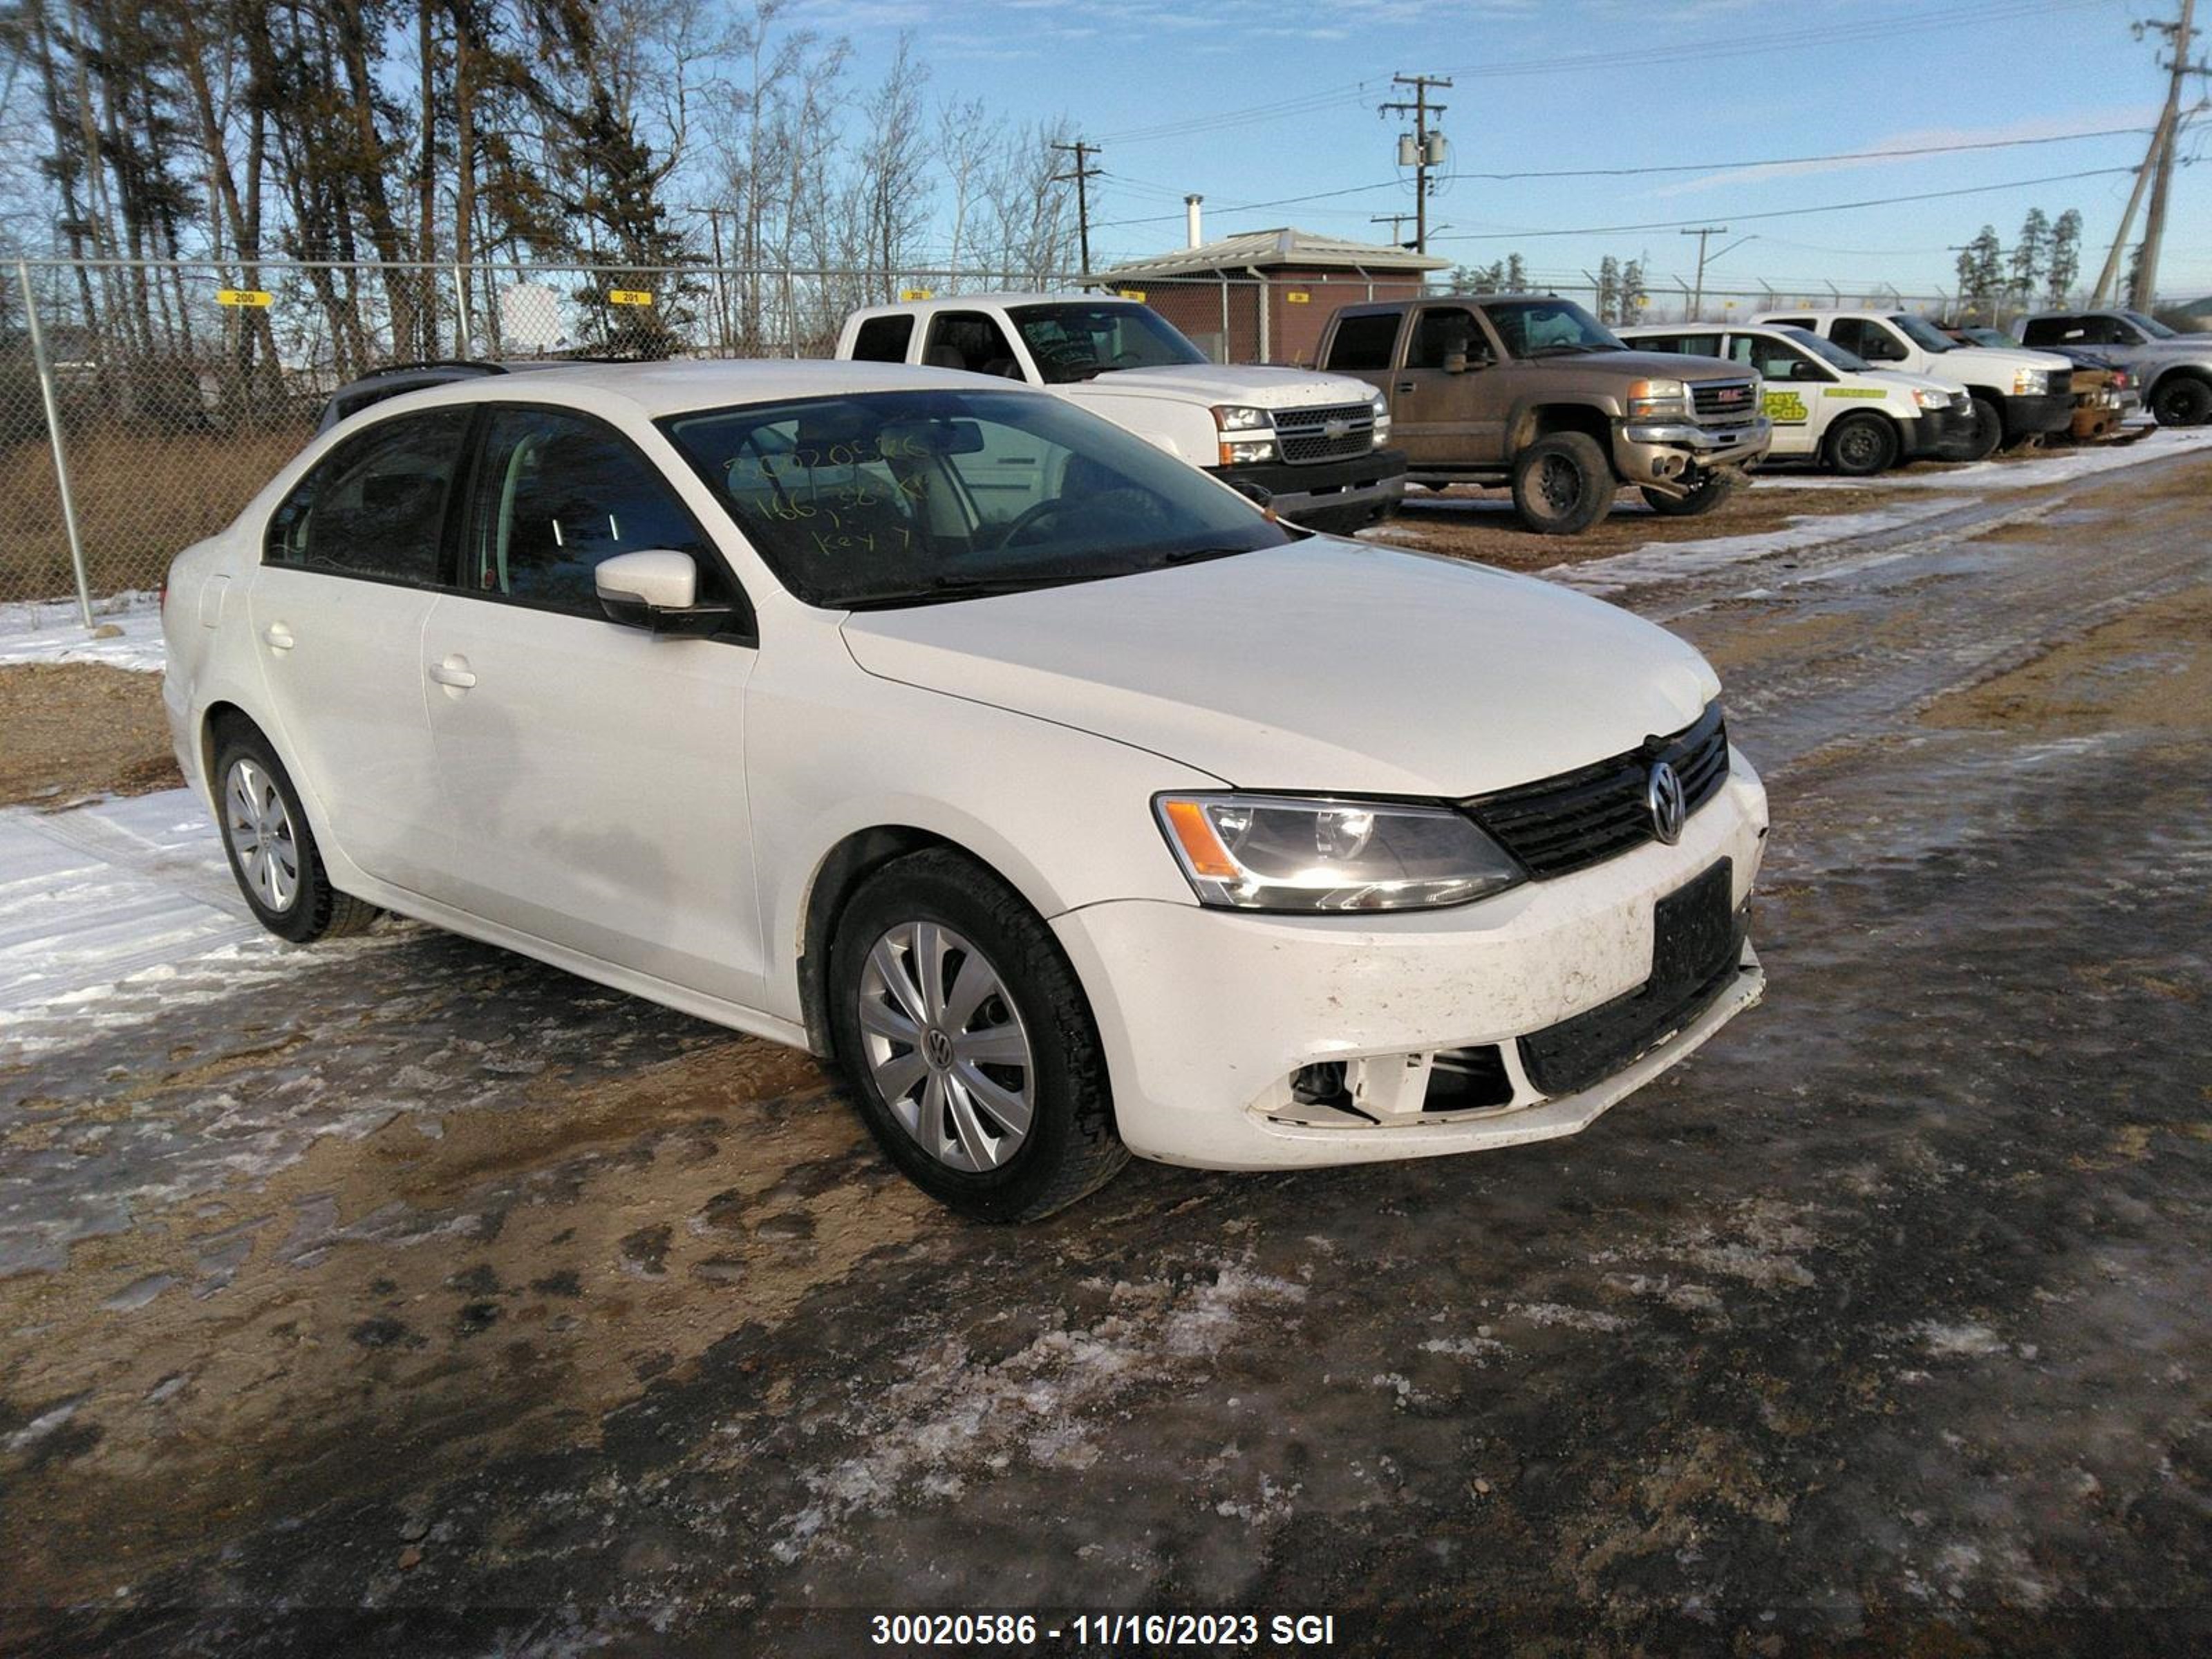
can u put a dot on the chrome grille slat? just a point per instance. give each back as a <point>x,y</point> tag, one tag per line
<point>1303,433</point>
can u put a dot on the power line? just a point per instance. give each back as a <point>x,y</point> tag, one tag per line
<point>1682,167</point>
<point>1791,213</point>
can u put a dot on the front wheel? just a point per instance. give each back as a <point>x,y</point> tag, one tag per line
<point>967,1041</point>
<point>1710,491</point>
<point>2183,400</point>
<point>272,852</point>
<point>1563,484</point>
<point>1862,444</point>
<point>1988,430</point>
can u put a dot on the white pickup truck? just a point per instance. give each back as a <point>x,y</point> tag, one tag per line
<point>1315,445</point>
<point>2018,396</point>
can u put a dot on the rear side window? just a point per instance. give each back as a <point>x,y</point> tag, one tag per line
<point>375,505</point>
<point>882,340</point>
<point>1364,342</point>
<point>2047,330</point>
<point>553,494</point>
<point>1685,345</point>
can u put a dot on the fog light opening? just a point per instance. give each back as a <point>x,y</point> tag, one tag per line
<point>1468,1079</point>
<point>1320,1084</point>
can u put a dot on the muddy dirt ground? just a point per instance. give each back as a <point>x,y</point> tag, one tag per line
<point>76,729</point>
<point>407,1275</point>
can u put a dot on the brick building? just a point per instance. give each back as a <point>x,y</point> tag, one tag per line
<point>1262,297</point>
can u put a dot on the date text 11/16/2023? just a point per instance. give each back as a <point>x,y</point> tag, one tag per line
<point>1232,1630</point>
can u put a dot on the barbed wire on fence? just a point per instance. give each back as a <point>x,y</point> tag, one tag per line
<point>164,394</point>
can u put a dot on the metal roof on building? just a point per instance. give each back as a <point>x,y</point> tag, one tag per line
<point>1286,245</point>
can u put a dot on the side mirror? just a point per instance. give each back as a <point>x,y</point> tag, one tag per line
<point>1258,495</point>
<point>1801,370</point>
<point>657,589</point>
<point>1455,362</point>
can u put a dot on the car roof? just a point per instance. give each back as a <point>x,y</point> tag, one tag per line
<point>654,389</point>
<point>972,301</point>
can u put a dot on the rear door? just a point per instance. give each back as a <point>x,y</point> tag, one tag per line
<point>593,773</point>
<point>351,565</point>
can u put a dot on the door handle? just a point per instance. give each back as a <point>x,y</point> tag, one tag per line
<point>1405,386</point>
<point>454,672</point>
<point>279,638</point>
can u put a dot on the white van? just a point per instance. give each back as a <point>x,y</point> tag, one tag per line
<point>1827,405</point>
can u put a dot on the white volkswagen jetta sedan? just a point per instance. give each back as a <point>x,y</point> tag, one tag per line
<point>1073,805</point>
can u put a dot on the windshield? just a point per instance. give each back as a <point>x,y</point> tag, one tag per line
<point>1544,328</point>
<point>2151,325</point>
<point>1073,342</point>
<point>889,498</point>
<point>1989,337</point>
<point>1922,332</point>
<point>1827,350</point>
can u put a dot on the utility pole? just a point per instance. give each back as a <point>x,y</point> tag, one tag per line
<point>1083,174</point>
<point>1426,148</point>
<point>2112,270</point>
<point>1702,233</point>
<point>2145,289</point>
<point>1397,223</point>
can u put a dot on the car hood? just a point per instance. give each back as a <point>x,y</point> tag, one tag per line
<point>1264,388</point>
<point>1325,665</point>
<point>1910,381</point>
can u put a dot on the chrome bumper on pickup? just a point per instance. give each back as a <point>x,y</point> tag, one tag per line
<point>1652,451</point>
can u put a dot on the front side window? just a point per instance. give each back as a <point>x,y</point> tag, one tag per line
<point>555,493</point>
<point>1775,359</point>
<point>894,498</point>
<point>1071,342</point>
<point>1826,350</point>
<point>1865,337</point>
<point>375,505</point>
<point>1364,342</point>
<point>1446,331</point>
<point>971,341</point>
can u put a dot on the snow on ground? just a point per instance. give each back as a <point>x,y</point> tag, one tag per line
<point>90,898</point>
<point>48,631</point>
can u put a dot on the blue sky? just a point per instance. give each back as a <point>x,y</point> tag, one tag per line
<point>1565,84</point>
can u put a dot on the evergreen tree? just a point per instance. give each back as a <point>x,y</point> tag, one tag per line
<point>2065,256</point>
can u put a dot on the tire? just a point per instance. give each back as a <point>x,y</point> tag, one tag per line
<point>1860,445</point>
<point>1563,484</point>
<point>909,935</point>
<point>272,850</point>
<point>1989,429</point>
<point>2182,400</point>
<point>1716,488</point>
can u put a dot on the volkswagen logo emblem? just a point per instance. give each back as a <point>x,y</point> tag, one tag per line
<point>937,1047</point>
<point>1663,794</point>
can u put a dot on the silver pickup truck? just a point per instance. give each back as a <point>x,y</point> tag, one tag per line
<point>2172,371</point>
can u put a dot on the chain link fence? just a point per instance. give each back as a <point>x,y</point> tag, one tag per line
<point>144,403</point>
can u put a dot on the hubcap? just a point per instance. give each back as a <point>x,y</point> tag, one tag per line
<point>945,1046</point>
<point>260,829</point>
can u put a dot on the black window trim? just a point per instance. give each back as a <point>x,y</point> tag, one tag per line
<point>1397,314</point>
<point>442,567</point>
<point>743,628</point>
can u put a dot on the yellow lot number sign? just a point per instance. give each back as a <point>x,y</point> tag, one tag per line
<point>907,295</point>
<point>1297,296</point>
<point>253,298</point>
<point>629,296</point>
<point>1136,294</point>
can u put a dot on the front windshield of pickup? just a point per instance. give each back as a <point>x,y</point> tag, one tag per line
<point>880,499</point>
<point>2151,325</point>
<point>1073,342</point>
<point>1827,350</point>
<point>1548,328</point>
<point>1922,333</point>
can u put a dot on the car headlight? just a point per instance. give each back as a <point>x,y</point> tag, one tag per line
<point>1281,852</point>
<point>1234,420</point>
<point>1658,399</point>
<point>2030,382</point>
<point>1381,420</point>
<point>1930,399</point>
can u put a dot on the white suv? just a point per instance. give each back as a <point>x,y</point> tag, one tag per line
<point>1070,801</point>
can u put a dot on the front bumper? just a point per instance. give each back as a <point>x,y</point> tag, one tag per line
<point>1334,497</point>
<point>1208,1015</point>
<point>1663,452</point>
<point>2051,412</point>
<point>1940,435</point>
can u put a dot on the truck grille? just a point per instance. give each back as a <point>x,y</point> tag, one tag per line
<point>1582,817</point>
<point>1326,434</point>
<point>1723,403</point>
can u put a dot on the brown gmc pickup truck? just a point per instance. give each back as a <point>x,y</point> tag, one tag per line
<point>1533,391</point>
